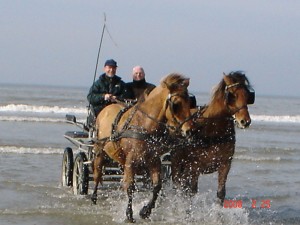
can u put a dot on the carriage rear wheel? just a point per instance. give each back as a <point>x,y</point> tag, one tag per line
<point>67,167</point>
<point>80,175</point>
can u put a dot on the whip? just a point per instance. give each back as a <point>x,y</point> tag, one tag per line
<point>103,29</point>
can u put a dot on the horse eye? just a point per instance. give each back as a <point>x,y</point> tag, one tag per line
<point>230,98</point>
<point>175,107</point>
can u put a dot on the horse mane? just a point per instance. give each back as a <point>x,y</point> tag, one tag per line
<point>173,81</point>
<point>236,77</point>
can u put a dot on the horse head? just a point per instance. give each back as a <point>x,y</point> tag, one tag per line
<point>177,104</point>
<point>238,93</point>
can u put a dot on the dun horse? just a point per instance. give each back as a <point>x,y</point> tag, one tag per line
<point>213,144</point>
<point>128,136</point>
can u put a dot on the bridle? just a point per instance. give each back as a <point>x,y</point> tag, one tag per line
<point>237,109</point>
<point>170,103</point>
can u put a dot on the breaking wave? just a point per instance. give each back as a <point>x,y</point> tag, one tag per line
<point>283,119</point>
<point>257,159</point>
<point>55,110</point>
<point>41,109</point>
<point>27,150</point>
<point>31,119</point>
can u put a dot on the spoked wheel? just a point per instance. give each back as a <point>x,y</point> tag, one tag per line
<point>166,168</point>
<point>80,175</point>
<point>166,172</point>
<point>67,167</point>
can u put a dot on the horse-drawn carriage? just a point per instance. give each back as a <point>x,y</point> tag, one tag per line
<point>130,138</point>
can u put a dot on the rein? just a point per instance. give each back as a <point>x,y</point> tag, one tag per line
<point>128,131</point>
<point>198,114</point>
<point>206,141</point>
<point>169,102</point>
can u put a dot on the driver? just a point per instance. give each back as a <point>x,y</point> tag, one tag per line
<point>107,89</point>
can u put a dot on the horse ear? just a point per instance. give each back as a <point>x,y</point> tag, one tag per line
<point>165,84</point>
<point>186,82</point>
<point>226,79</point>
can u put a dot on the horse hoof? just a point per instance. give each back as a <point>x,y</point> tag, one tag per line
<point>94,200</point>
<point>129,216</point>
<point>131,220</point>
<point>219,202</point>
<point>145,212</point>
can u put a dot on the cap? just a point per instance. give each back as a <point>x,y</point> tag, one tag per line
<point>110,62</point>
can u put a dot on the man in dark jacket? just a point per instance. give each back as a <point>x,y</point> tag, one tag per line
<point>107,88</point>
<point>139,86</point>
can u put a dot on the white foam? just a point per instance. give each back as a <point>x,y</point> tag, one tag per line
<point>31,119</point>
<point>27,150</point>
<point>11,108</point>
<point>256,159</point>
<point>41,109</point>
<point>284,118</point>
<point>174,208</point>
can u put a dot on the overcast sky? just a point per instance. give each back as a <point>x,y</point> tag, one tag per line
<point>55,42</point>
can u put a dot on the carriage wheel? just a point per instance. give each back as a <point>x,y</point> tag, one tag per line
<point>67,167</point>
<point>166,168</point>
<point>80,175</point>
<point>166,172</point>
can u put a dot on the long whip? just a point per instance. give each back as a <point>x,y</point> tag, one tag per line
<point>97,61</point>
<point>103,29</point>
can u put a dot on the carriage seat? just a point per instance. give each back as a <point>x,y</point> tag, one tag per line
<point>91,119</point>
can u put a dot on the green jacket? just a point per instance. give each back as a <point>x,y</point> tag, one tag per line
<point>107,85</point>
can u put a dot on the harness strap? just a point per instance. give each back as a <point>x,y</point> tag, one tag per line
<point>199,115</point>
<point>118,117</point>
<point>128,134</point>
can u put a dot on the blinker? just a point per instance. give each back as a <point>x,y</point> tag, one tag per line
<point>193,101</point>
<point>251,96</point>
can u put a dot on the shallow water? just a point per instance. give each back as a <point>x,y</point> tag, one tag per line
<point>265,168</point>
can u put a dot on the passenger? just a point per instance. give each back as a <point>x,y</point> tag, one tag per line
<point>106,90</point>
<point>139,87</point>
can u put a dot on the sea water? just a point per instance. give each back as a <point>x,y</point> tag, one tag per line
<point>262,186</point>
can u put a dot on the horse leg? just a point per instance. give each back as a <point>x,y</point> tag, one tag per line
<point>129,187</point>
<point>222,178</point>
<point>129,211</point>
<point>185,176</point>
<point>157,185</point>
<point>97,171</point>
<point>194,173</point>
<point>177,169</point>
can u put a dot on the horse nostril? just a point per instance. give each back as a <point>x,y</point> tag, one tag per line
<point>245,123</point>
<point>248,123</point>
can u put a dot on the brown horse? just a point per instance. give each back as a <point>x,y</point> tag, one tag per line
<point>213,142</point>
<point>133,136</point>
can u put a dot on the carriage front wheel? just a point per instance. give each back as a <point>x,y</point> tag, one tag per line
<point>67,167</point>
<point>80,175</point>
<point>166,168</point>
